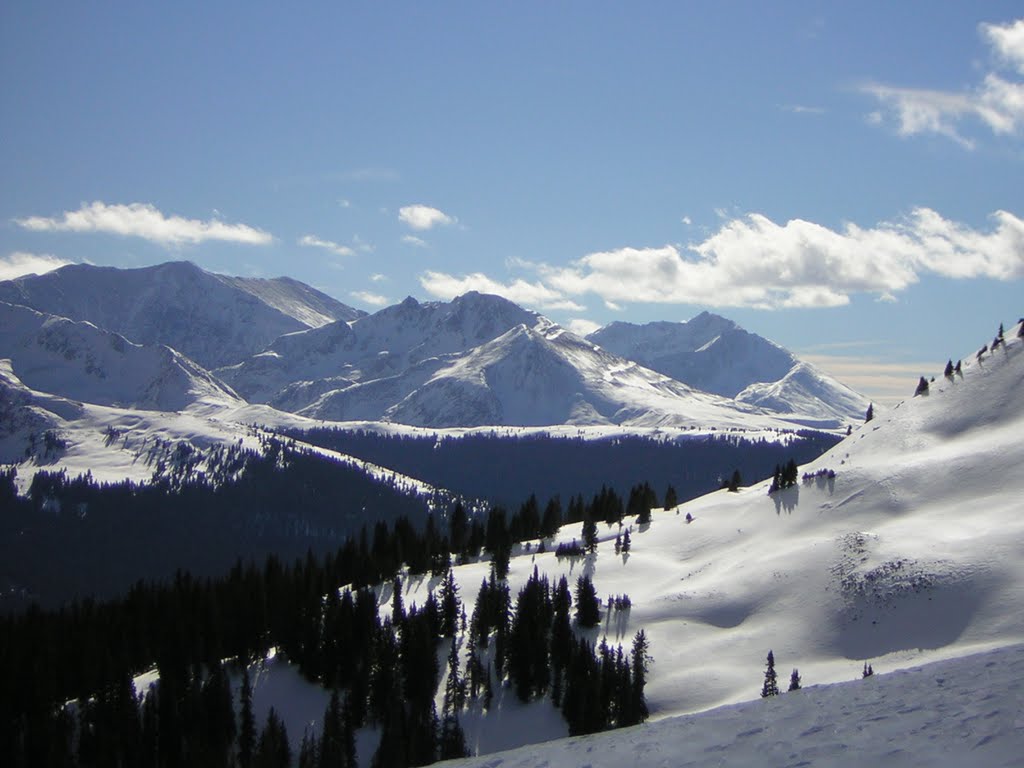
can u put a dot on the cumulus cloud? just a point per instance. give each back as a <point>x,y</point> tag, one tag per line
<point>373,299</point>
<point>755,262</point>
<point>423,217</point>
<point>447,287</point>
<point>581,326</point>
<point>145,221</point>
<point>996,101</point>
<point>21,263</point>
<point>313,241</point>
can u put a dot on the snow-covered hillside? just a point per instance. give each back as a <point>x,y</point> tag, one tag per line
<point>714,354</point>
<point>80,361</point>
<point>213,319</point>
<point>913,552</point>
<point>954,713</point>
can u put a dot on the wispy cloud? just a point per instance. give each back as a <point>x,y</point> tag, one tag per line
<point>752,261</point>
<point>447,287</point>
<point>424,217</point>
<point>373,299</point>
<point>378,278</point>
<point>21,263</point>
<point>997,102</point>
<point>145,221</point>
<point>884,382</point>
<point>414,241</point>
<point>802,109</point>
<point>312,241</point>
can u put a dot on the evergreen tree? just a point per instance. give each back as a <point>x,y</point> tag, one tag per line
<point>273,750</point>
<point>450,605</point>
<point>453,739</point>
<point>794,680</point>
<point>948,372</point>
<point>552,519</point>
<point>397,604</point>
<point>922,387</point>
<point>671,499</point>
<point>308,753</point>
<point>627,543</point>
<point>735,480</point>
<point>247,726</point>
<point>588,611</point>
<point>589,533</point>
<point>770,687</point>
<point>870,413</point>
<point>637,706</point>
<point>868,671</point>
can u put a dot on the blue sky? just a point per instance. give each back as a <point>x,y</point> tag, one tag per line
<point>845,179</point>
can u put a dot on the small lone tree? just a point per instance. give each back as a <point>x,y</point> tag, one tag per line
<point>672,500</point>
<point>870,413</point>
<point>948,373</point>
<point>735,480</point>
<point>922,387</point>
<point>771,685</point>
<point>868,671</point>
<point>794,680</point>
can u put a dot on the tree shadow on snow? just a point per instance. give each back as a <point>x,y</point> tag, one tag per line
<point>786,499</point>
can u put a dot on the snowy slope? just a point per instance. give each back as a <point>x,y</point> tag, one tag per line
<point>213,319</point>
<point>960,712</point>
<point>714,354</point>
<point>80,361</point>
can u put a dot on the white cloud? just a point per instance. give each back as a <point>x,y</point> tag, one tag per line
<point>447,287</point>
<point>686,220</point>
<point>344,203</point>
<point>377,278</point>
<point>313,241</point>
<point>613,306</point>
<point>414,241</point>
<point>997,102</point>
<point>1008,42</point>
<point>423,217</point>
<point>803,109</point>
<point>755,262</point>
<point>21,263</point>
<point>581,326</point>
<point>373,299</point>
<point>145,221</point>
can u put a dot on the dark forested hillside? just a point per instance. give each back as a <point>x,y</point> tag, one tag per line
<point>75,537</point>
<point>506,469</point>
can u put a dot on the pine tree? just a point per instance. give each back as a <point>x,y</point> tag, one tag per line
<point>671,499</point>
<point>734,481</point>
<point>868,671</point>
<point>589,533</point>
<point>588,610</point>
<point>627,542</point>
<point>771,686</point>
<point>948,372</point>
<point>247,725</point>
<point>450,605</point>
<point>273,750</point>
<point>922,387</point>
<point>870,413</point>
<point>794,680</point>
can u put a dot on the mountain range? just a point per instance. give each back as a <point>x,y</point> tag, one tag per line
<point>477,360</point>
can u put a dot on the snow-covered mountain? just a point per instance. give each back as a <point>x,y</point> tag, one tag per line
<point>716,355</point>
<point>77,360</point>
<point>213,319</point>
<point>533,376</point>
<point>481,359</point>
<point>384,344</point>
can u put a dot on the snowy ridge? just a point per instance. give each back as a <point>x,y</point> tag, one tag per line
<point>214,320</point>
<point>714,354</point>
<point>80,361</point>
